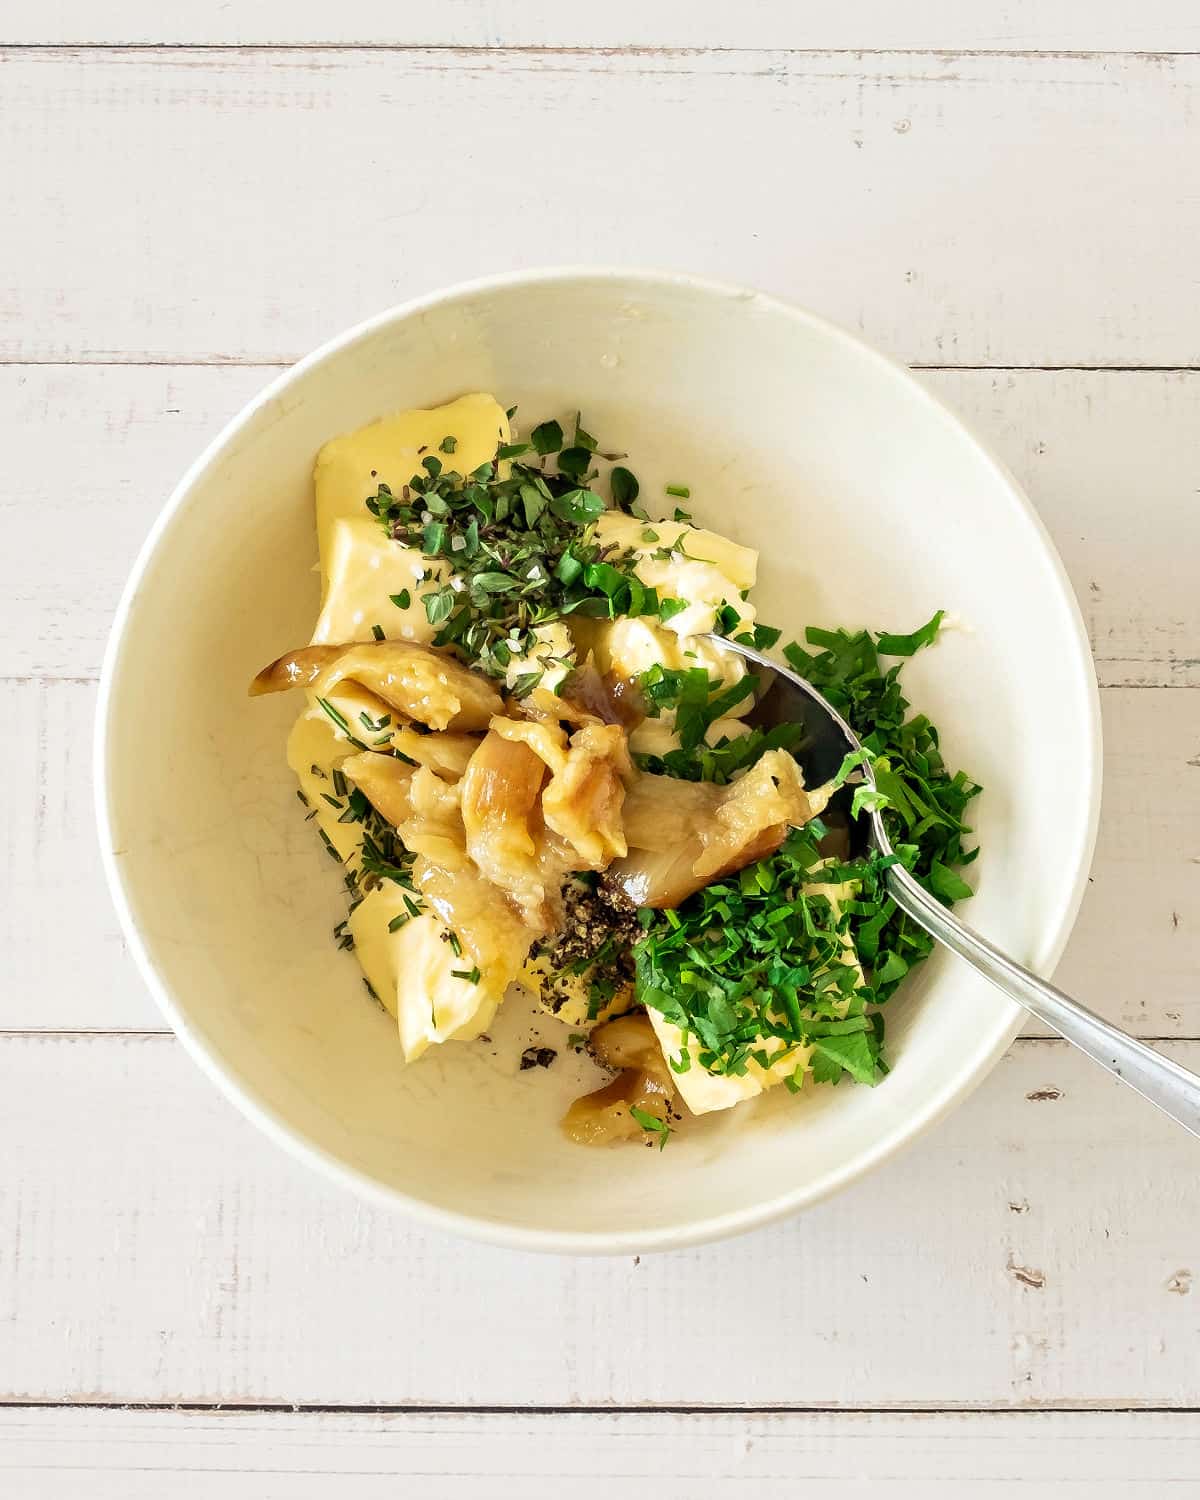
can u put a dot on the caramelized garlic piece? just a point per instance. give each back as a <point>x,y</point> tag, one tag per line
<point>628,1045</point>
<point>429,686</point>
<point>683,835</point>
<point>298,668</point>
<point>501,816</point>
<point>447,754</point>
<point>426,685</point>
<point>584,799</point>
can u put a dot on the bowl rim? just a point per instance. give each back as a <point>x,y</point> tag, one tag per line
<point>993,1041</point>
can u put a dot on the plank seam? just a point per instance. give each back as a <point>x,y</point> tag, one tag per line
<point>500,49</point>
<point>237,362</point>
<point>260,1408</point>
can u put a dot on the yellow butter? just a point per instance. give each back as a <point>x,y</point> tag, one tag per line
<point>739,565</point>
<point>351,468</point>
<point>367,570</point>
<point>411,970</point>
<point>315,743</point>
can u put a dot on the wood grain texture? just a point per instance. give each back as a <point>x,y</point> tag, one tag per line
<point>1109,459</point>
<point>959,208</point>
<point>158,1249</point>
<point>142,1455</point>
<point>176,222</point>
<point>1109,25</point>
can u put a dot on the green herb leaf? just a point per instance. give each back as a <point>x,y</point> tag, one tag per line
<point>856,1053</point>
<point>868,799</point>
<point>579,506</point>
<point>651,1124</point>
<point>547,438</point>
<point>438,605</point>
<point>494,583</point>
<point>907,645</point>
<point>568,568</point>
<point>575,462</point>
<point>946,884</point>
<point>533,502</point>
<point>669,608</point>
<point>625,488</point>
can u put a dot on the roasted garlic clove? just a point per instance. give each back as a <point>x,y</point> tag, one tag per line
<point>447,754</point>
<point>294,669</point>
<point>584,799</point>
<point>500,793</point>
<point>426,685</point>
<point>643,1083</point>
<point>754,815</point>
<point>429,686</point>
<point>682,835</point>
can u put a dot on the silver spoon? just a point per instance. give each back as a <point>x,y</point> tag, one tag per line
<point>786,698</point>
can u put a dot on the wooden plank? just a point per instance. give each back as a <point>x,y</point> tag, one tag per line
<point>94,453</point>
<point>65,959</point>
<point>960,208</point>
<point>1111,463</point>
<point>161,1251</point>
<point>1141,914</point>
<point>1094,450</point>
<point>1158,25</point>
<point>1143,902</point>
<point>143,1455</point>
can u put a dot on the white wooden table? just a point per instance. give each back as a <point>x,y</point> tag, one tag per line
<point>1006,195</point>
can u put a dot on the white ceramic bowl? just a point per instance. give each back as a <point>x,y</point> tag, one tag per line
<point>871,505</point>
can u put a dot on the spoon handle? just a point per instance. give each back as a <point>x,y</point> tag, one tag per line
<point>1160,1080</point>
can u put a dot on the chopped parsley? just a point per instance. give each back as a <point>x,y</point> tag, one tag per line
<point>651,1124</point>
<point>760,966</point>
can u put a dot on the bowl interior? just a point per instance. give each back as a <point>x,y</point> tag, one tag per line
<point>870,506</point>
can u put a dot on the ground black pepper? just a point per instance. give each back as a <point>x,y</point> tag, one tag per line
<point>537,1057</point>
<point>596,938</point>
